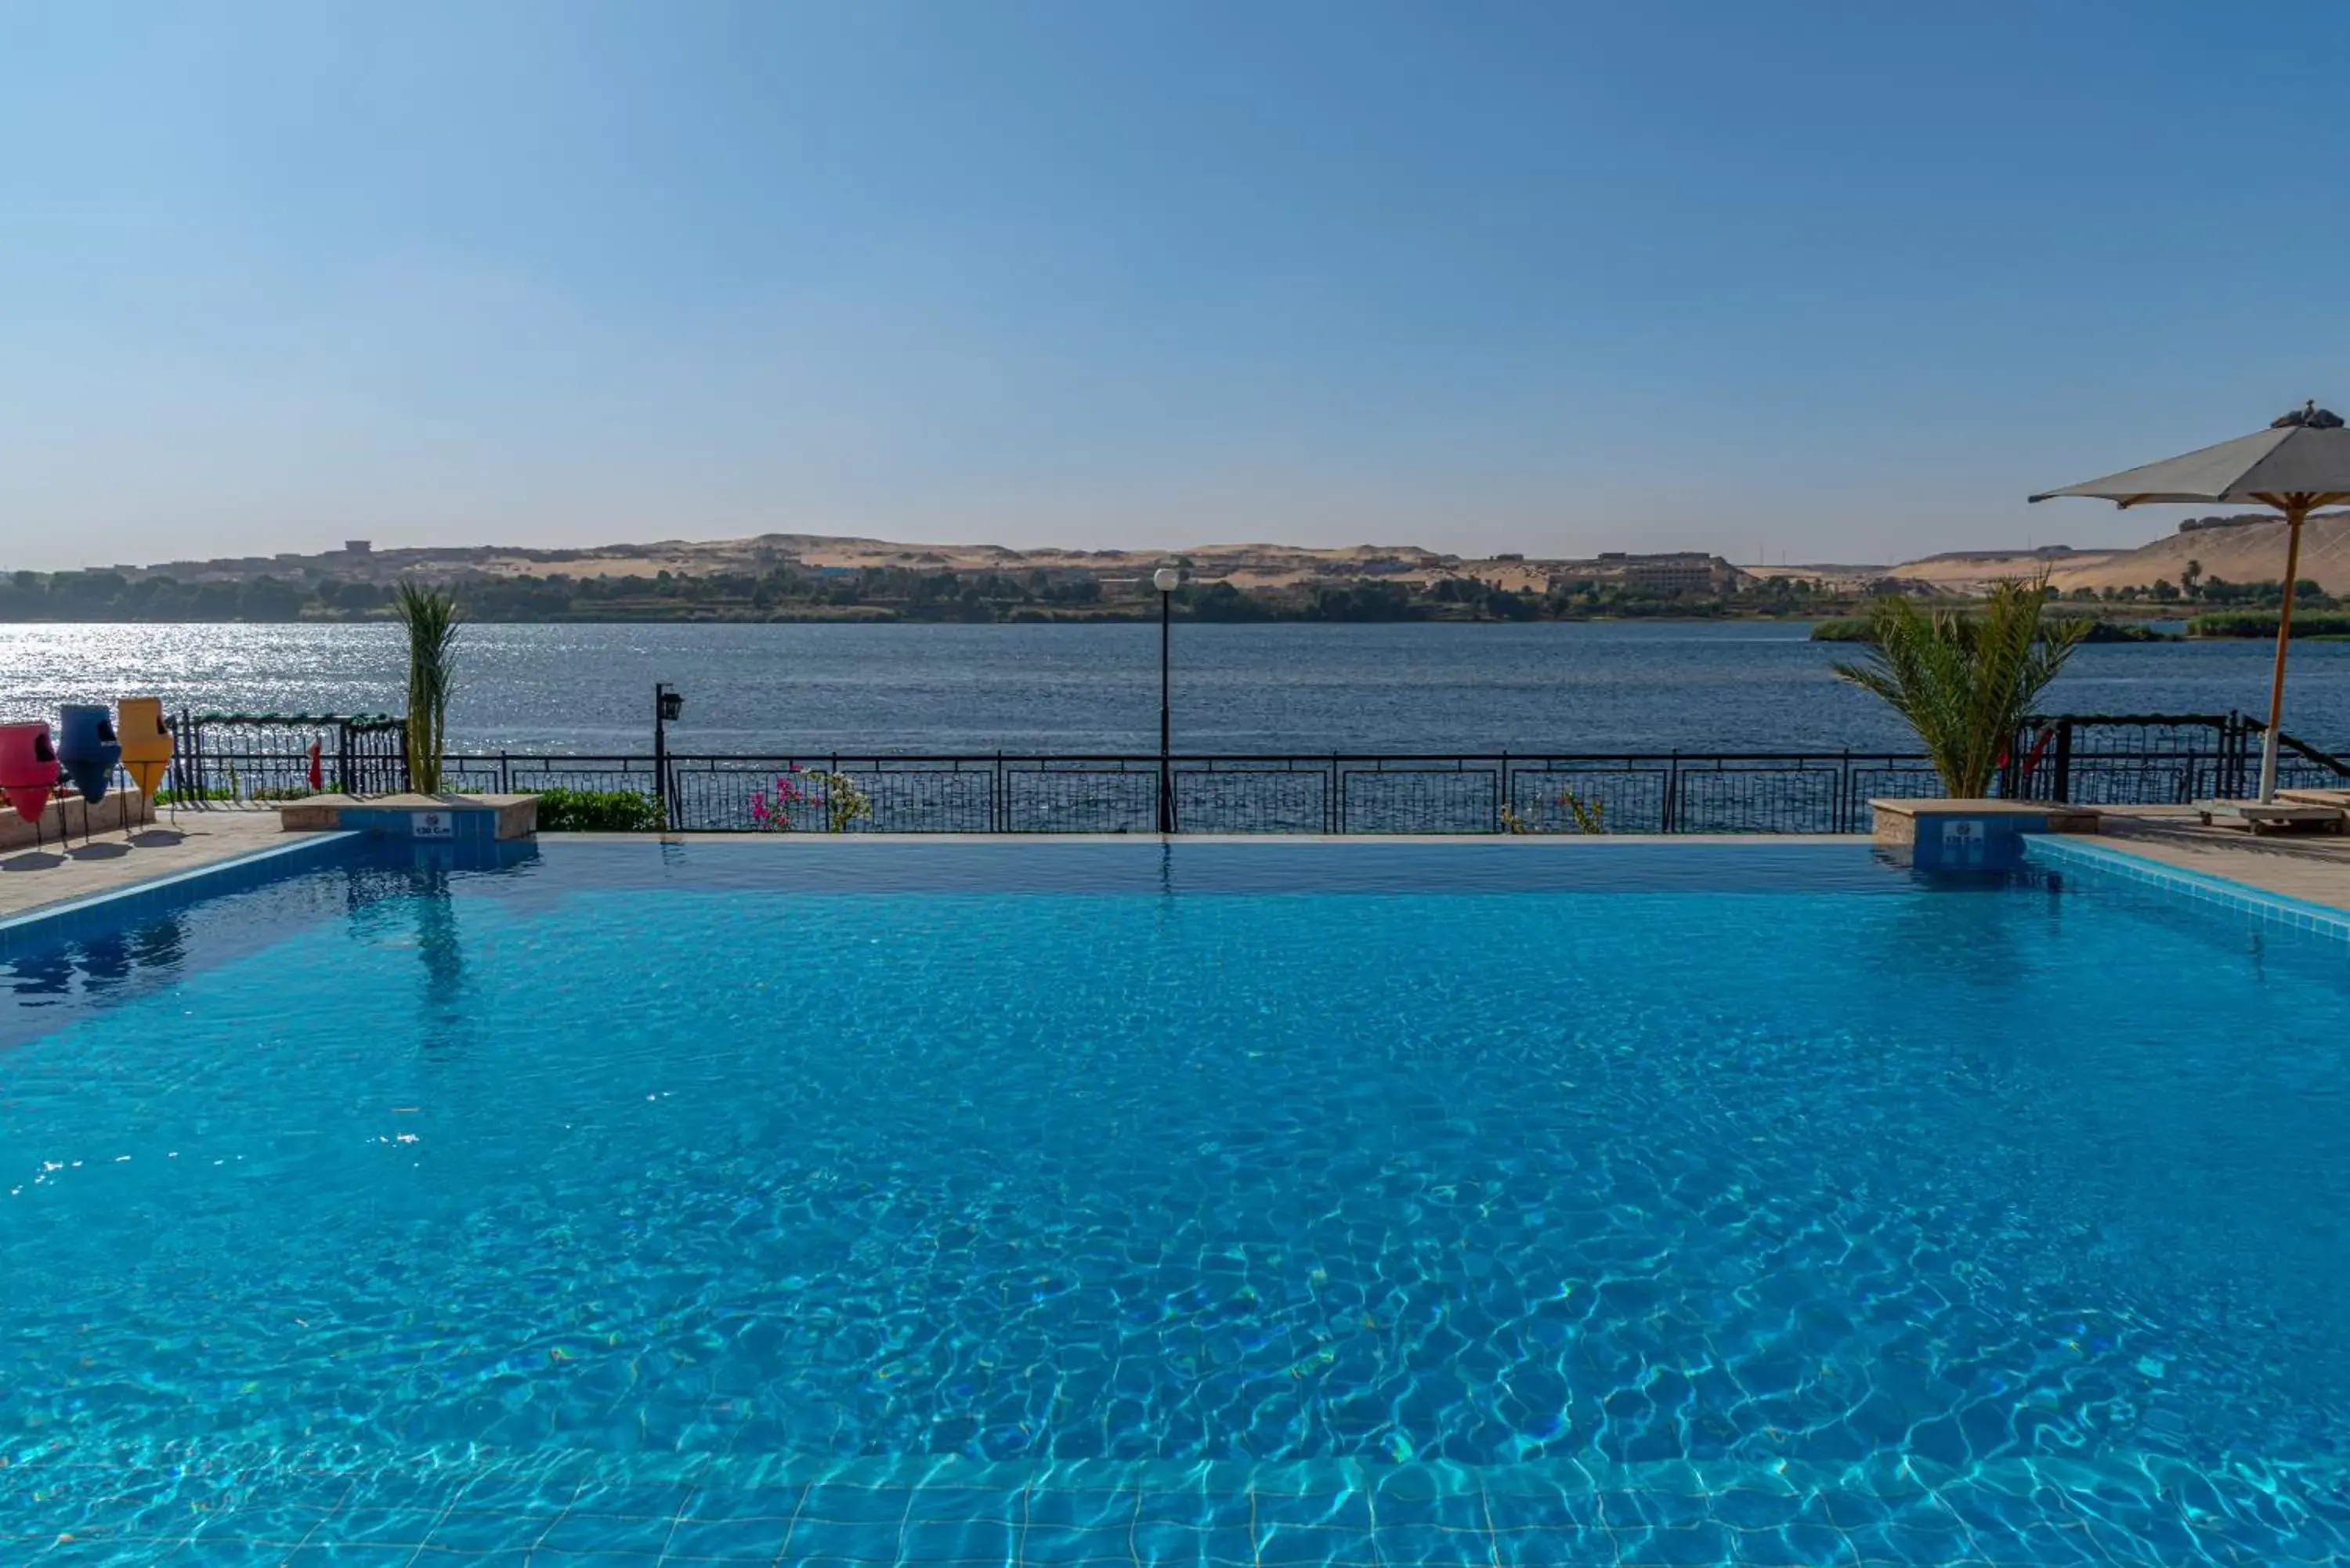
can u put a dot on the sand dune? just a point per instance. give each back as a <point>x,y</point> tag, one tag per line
<point>2248,552</point>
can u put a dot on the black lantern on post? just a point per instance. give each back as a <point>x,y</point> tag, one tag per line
<point>1165,579</point>
<point>668,704</point>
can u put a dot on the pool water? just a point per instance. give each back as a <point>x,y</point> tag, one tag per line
<point>874,1203</point>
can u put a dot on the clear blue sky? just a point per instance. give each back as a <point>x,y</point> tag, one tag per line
<point>1839,281</point>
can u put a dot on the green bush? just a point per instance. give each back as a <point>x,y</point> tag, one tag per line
<point>1851,629</point>
<point>2263,623</point>
<point>598,811</point>
<point>1843,629</point>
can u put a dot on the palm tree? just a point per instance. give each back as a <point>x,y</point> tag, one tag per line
<point>431,618</point>
<point>1966,681</point>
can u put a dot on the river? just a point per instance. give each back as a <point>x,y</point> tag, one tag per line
<point>1582,687</point>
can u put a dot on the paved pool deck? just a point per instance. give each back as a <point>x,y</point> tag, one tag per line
<point>34,879</point>
<point>2314,867</point>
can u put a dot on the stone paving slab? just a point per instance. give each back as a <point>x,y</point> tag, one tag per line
<point>2314,867</point>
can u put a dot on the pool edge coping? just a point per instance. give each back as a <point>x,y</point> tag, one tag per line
<point>1554,839</point>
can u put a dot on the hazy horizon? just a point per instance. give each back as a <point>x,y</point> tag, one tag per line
<point>1826,286</point>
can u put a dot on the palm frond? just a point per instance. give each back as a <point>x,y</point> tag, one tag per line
<point>429,615</point>
<point>1966,682</point>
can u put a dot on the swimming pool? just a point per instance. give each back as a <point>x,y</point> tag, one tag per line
<point>827,1201</point>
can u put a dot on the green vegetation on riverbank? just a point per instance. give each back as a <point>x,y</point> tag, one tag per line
<point>2263,624</point>
<point>1855,628</point>
<point>883,594</point>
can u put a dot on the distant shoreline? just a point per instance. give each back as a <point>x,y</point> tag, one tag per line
<point>1135,617</point>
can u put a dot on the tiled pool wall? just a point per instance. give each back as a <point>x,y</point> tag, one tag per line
<point>111,912</point>
<point>142,900</point>
<point>2068,854</point>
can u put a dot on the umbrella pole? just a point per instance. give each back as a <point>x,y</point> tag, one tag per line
<point>2294,513</point>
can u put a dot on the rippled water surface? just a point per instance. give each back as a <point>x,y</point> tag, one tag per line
<point>1623,686</point>
<point>1576,1202</point>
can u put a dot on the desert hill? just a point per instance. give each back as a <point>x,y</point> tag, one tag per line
<point>1249,566</point>
<point>2248,548</point>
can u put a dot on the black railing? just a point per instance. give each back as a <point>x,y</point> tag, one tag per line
<point>1663,792</point>
<point>2151,759</point>
<point>221,757</point>
<point>2156,758</point>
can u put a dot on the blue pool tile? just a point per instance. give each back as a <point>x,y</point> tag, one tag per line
<point>1072,1544</point>
<point>1819,1542</point>
<point>1303,1546</point>
<point>962,1540</point>
<point>467,1533</point>
<point>367,1525</point>
<point>1572,1544</point>
<point>1343,1508</point>
<point>1690,1545</point>
<point>630,1499</point>
<point>729,1539</point>
<point>1511,1513</point>
<point>581,1533</point>
<point>1197,1509</point>
<point>1751,1509</point>
<point>853,1507</point>
<point>510,1491</point>
<point>1434,1544</point>
<point>1046,1508</point>
<point>959,1505</point>
<point>1162,1544</point>
<point>1452,1512</point>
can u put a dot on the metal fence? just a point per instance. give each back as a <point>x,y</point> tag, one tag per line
<point>2102,759</point>
<point>283,756</point>
<point>2149,759</point>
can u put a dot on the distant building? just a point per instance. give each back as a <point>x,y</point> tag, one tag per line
<point>358,547</point>
<point>1671,574</point>
<point>1678,571</point>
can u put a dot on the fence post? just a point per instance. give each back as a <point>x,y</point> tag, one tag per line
<point>194,793</point>
<point>2064,761</point>
<point>1501,791</point>
<point>181,742</point>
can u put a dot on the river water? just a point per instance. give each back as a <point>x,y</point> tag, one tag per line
<point>1575,687</point>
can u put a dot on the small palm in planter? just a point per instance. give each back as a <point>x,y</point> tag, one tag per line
<point>431,618</point>
<point>1966,681</point>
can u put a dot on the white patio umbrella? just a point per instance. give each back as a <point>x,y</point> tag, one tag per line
<point>2298,464</point>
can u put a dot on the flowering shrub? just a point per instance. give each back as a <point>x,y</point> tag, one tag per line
<point>834,798</point>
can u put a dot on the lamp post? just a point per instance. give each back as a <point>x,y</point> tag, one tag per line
<point>668,704</point>
<point>1165,579</point>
